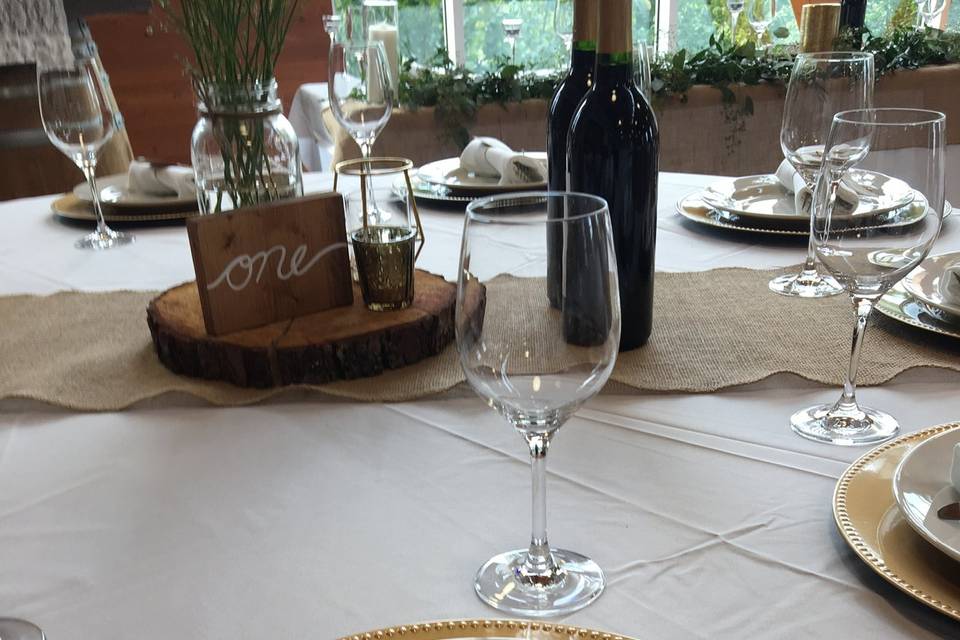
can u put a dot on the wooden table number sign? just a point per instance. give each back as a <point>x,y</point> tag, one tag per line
<point>277,261</point>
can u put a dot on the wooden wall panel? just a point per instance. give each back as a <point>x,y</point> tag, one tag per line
<point>154,92</point>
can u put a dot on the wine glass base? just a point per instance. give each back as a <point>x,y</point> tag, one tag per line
<point>14,629</point>
<point>100,241</point>
<point>802,286</point>
<point>581,582</point>
<point>833,425</point>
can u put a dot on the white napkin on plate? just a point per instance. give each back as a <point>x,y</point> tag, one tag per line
<point>161,180</point>
<point>491,158</point>
<point>949,287</point>
<point>793,183</point>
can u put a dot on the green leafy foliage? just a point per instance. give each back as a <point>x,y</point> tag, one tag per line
<point>457,93</point>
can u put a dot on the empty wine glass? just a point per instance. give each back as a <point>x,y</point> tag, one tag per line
<point>331,24</point>
<point>511,30</point>
<point>563,22</point>
<point>16,629</point>
<point>361,95</point>
<point>821,84</point>
<point>736,8</point>
<point>760,14</point>
<point>641,70</point>
<point>536,365</point>
<point>866,258</point>
<point>79,119</point>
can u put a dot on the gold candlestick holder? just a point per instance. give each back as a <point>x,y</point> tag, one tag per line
<point>383,237</point>
<point>819,26</point>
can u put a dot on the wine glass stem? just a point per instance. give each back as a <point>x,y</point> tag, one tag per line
<point>863,307</point>
<point>539,565</point>
<point>810,263</point>
<point>365,149</point>
<point>89,168</point>
<point>734,18</point>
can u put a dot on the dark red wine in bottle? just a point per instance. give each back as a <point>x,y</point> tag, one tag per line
<point>613,152</point>
<point>568,95</point>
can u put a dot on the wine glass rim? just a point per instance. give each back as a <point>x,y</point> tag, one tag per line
<point>474,208</point>
<point>836,56</point>
<point>890,117</point>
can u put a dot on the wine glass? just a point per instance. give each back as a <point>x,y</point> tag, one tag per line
<point>641,70</point>
<point>760,14</point>
<point>331,24</point>
<point>866,258</point>
<point>511,31</point>
<point>361,95</point>
<point>563,22</point>
<point>16,629</point>
<point>736,8</point>
<point>536,365</point>
<point>79,119</point>
<point>821,84</point>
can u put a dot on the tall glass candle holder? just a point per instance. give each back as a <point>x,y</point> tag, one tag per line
<point>382,240</point>
<point>381,24</point>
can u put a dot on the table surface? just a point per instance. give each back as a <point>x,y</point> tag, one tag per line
<point>305,517</point>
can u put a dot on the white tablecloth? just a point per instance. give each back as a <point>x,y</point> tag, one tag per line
<point>310,518</point>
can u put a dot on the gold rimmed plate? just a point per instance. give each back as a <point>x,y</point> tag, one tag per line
<point>693,208</point>
<point>72,210</point>
<point>448,173</point>
<point>763,196</point>
<point>899,305</point>
<point>870,521</point>
<point>493,629</point>
<point>114,191</point>
<point>925,283</point>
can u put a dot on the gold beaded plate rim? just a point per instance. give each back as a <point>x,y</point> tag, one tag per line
<point>696,210</point>
<point>479,628</point>
<point>866,539</point>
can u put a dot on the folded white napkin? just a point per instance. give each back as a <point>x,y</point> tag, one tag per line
<point>161,180</point>
<point>490,158</point>
<point>793,183</point>
<point>949,286</point>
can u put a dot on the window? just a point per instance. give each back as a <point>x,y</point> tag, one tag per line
<point>473,34</point>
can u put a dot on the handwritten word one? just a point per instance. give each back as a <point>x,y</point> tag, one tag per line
<point>252,267</point>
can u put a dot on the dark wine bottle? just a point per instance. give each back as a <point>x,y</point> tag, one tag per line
<point>852,14</point>
<point>569,93</point>
<point>613,152</point>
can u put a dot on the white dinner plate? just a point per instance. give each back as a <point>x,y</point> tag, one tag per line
<point>923,283</point>
<point>113,191</point>
<point>921,486</point>
<point>449,173</point>
<point>764,197</point>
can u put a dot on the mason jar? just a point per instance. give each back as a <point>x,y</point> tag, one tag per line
<point>243,150</point>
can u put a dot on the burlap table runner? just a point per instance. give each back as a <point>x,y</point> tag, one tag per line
<point>714,329</point>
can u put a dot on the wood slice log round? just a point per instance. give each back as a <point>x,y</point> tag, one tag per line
<point>336,344</point>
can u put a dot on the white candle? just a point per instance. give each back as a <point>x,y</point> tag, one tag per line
<point>387,34</point>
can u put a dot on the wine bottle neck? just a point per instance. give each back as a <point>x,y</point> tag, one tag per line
<point>582,61</point>
<point>614,34</point>
<point>585,23</point>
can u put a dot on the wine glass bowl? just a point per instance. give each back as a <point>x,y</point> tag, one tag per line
<point>821,84</point>
<point>868,259</point>
<point>534,363</point>
<point>79,120</point>
<point>359,88</point>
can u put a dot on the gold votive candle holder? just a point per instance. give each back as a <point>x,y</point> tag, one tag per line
<point>384,239</point>
<point>819,26</point>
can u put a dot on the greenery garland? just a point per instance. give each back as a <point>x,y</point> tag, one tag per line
<point>456,93</point>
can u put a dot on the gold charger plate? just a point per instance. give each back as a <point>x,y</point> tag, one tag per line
<point>73,209</point>
<point>869,520</point>
<point>903,307</point>
<point>463,629</point>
